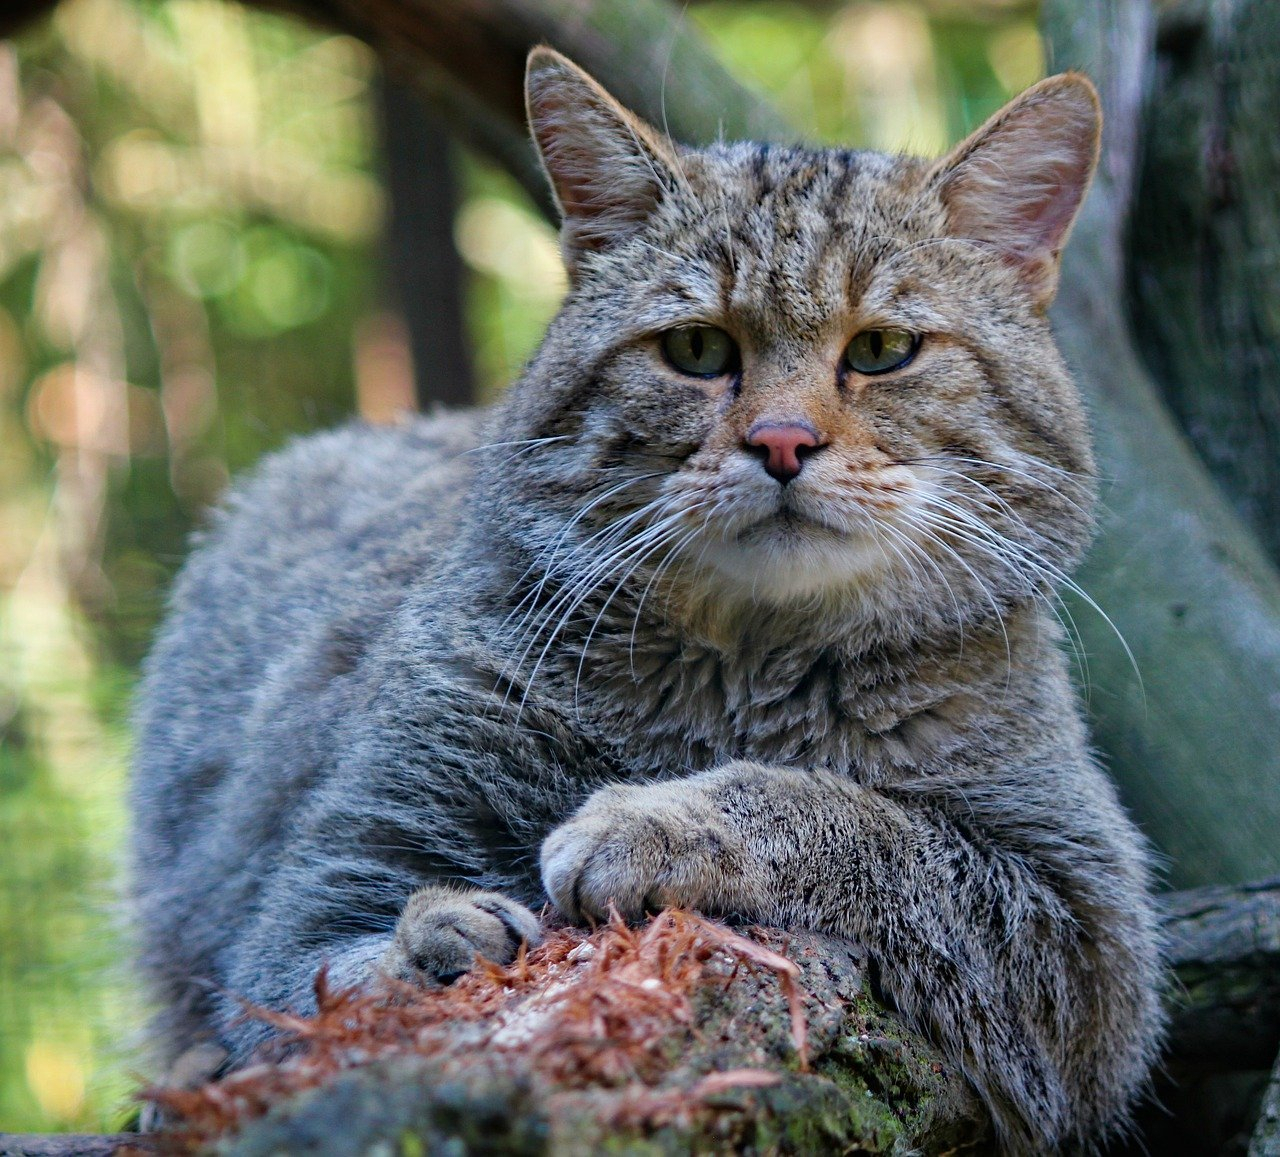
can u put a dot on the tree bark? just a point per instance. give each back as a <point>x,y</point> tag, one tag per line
<point>1204,252</point>
<point>1194,743</point>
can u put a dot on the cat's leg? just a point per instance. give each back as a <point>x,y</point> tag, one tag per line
<point>642,847</point>
<point>1028,955</point>
<point>415,856</point>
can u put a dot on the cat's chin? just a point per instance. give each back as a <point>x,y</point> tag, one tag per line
<point>788,560</point>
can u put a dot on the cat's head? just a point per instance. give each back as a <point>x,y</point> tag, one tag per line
<point>808,373</point>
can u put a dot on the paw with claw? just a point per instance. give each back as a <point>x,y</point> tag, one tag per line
<point>646,847</point>
<point>443,930</point>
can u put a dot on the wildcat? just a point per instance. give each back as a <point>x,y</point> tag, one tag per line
<point>741,600</point>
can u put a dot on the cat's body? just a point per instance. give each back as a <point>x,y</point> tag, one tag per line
<point>757,602</point>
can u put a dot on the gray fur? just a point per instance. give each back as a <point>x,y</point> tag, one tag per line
<point>406,662</point>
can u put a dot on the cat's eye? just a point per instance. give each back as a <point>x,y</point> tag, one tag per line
<point>700,350</point>
<point>876,351</point>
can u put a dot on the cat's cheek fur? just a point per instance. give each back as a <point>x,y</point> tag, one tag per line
<point>639,848</point>
<point>442,931</point>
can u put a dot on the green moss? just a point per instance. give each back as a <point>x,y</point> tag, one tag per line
<point>406,1108</point>
<point>817,1115</point>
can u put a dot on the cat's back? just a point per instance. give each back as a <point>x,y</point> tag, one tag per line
<point>299,567</point>
<point>360,497</point>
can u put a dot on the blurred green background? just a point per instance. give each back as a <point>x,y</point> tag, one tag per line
<point>191,272</point>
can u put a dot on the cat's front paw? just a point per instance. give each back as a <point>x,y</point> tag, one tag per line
<point>646,847</point>
<point>443,930</point>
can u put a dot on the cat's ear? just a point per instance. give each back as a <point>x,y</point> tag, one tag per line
<point>1018,182</point>
<point>609,169</point>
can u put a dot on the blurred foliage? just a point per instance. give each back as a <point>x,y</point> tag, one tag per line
<point>190,215</point>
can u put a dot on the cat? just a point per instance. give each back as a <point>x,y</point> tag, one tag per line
<point>741,599</point>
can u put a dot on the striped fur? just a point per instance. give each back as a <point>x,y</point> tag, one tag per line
<point>584,646</point>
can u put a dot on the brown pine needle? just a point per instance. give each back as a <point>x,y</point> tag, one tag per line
<point>578,1012</point>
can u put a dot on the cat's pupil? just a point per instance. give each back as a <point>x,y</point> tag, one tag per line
<point>877,343</point>
<point>696,345</point>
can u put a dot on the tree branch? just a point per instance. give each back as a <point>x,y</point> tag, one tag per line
<point>1224,945</point>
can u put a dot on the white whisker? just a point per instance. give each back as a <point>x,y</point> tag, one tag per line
<point>1022,559</point>
<point>607,551</point>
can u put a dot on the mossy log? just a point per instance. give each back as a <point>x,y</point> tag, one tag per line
<point>844,1076</point>
<point>687,1036</point>
<point>680,1036</point>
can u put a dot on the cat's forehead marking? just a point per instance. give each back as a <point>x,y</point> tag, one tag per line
<point>797,235</point>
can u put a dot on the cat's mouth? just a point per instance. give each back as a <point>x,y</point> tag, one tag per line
<point>788,521</point>
<point>793,553</point>
<point>798,543</point>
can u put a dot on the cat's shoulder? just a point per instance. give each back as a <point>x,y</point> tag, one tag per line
<point>338,488</point>
<point>352,514</point>
<point>343,474</point>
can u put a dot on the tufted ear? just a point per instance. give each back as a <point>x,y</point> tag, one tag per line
<point>1018,182</point>
<point>608,169</point>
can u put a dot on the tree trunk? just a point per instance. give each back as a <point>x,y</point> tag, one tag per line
<point>1194,743</point>
<point>426,270</point>
<point>1204,270</point>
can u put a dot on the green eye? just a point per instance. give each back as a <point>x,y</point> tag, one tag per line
<point>701,350</point>
<point>876,351</point>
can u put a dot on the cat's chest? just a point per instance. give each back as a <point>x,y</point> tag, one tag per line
<point>673,706</point>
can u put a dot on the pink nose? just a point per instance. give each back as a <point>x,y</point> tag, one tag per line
<point>785,444</point>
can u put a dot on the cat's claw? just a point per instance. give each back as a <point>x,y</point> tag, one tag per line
<point>442,931</point>
<point>642,848</point>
